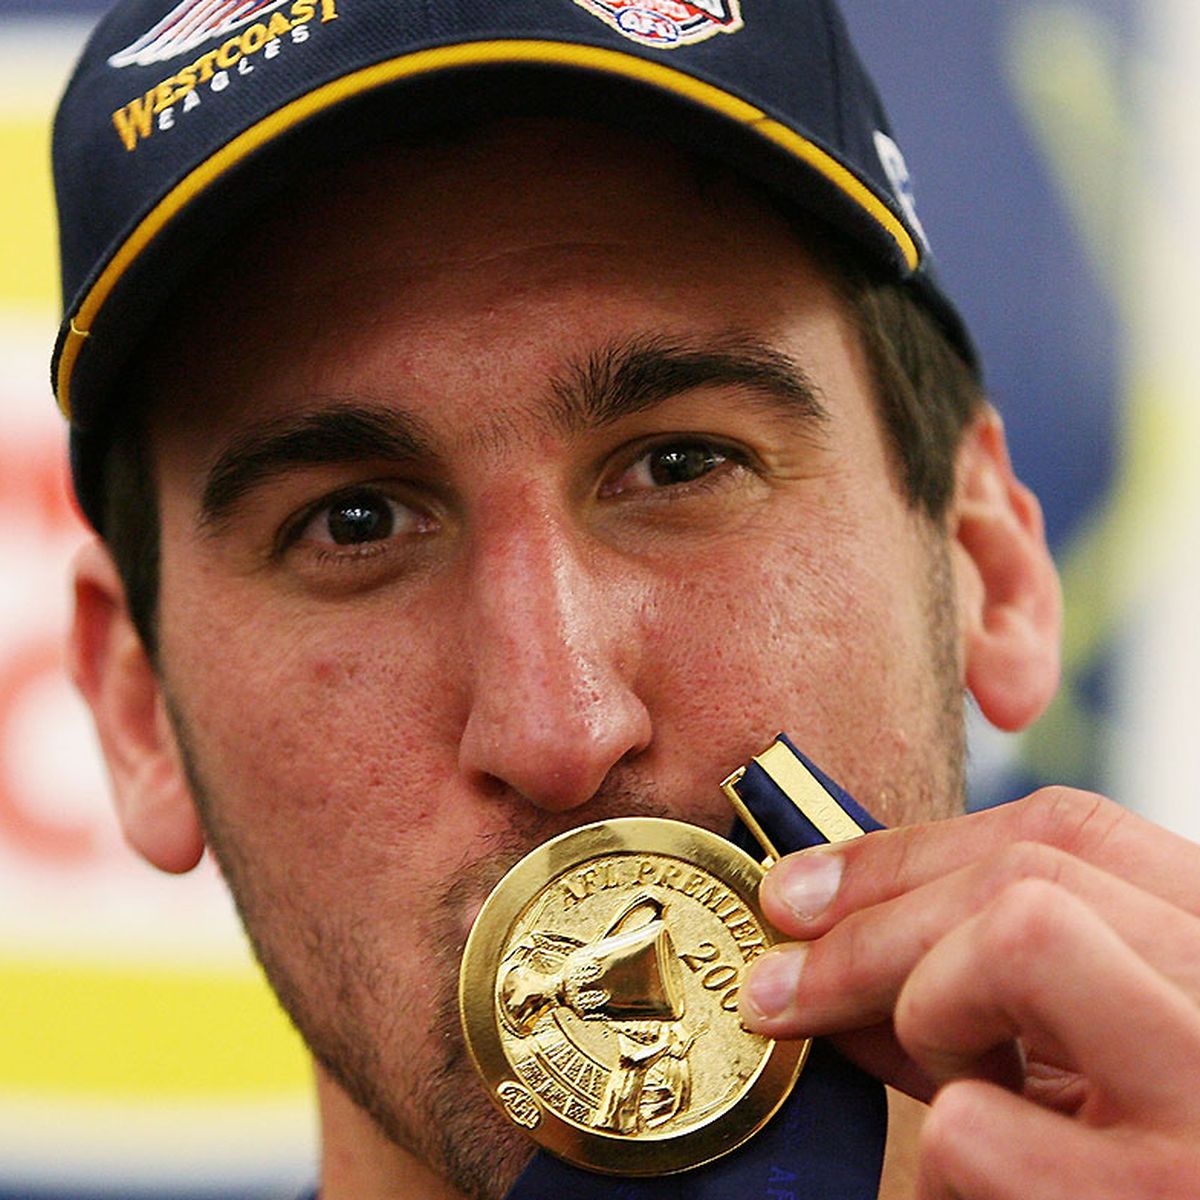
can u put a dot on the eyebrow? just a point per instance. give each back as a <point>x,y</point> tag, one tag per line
<point>341,433</point>
<point>631,376</point>
<point>616,381</point>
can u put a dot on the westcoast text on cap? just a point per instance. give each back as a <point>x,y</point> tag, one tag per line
<point>180,117</point>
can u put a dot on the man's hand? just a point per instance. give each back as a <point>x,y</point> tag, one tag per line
<point>1033,970</point>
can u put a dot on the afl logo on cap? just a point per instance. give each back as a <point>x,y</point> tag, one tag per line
<point>667,23</point>
<point>187,25</point>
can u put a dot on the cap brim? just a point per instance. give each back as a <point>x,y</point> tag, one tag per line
<point>437,86</point>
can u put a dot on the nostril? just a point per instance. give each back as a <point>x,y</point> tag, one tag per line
<point>490,787</point>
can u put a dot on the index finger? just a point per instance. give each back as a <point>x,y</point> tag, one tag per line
<point>816,888</point>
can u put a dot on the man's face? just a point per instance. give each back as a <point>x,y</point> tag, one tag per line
<point>506,487</point>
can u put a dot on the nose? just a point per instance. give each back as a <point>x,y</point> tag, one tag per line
<point>554,650</point>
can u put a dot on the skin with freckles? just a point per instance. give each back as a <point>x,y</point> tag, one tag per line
<point>502,507</point>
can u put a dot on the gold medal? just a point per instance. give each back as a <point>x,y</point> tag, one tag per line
<point>598,996</point>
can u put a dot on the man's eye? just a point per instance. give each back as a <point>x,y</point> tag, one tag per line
<point>669,465</point>
<point>358,518</point>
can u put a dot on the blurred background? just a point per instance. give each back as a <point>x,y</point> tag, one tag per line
<point>1054,153</point>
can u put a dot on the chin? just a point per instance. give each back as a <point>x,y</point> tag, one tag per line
<point>405,1067</point>
<point>442,1117</point>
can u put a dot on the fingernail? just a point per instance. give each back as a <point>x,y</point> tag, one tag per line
<point>807,883</point>
<point>772,981</point>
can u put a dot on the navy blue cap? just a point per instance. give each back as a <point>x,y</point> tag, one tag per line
<point>181,117</point>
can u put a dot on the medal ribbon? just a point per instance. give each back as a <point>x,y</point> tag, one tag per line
<point>826,1141</point>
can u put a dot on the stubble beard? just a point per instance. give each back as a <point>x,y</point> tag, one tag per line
<point>432,1106</point>
<point>937,790</point>
<point>440,1113</point>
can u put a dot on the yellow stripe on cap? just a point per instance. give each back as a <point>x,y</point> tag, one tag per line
<point>800,147</point>
<point>444,58</point>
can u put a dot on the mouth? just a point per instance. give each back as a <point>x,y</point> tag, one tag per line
<point>470,913</point>
<point>475,882</point>
<point>474,885</point>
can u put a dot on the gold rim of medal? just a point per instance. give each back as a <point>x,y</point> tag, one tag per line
<point>598,996</point>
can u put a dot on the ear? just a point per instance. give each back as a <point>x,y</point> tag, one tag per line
<point>1010,608</point>
<point>111,668</point>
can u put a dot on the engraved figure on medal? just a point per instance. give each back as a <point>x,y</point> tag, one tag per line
<point>628,977</point>
<point>602,1022</point>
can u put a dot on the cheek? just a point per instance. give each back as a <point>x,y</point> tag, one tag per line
<point>770,606</point>
<point>317,743</point>
<point>795,633</point>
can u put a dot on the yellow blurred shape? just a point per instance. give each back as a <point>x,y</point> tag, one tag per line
<point>123,1032</point>
<point>28,262</point>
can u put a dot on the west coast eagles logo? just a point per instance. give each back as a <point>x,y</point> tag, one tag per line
<point>189,24</point>
<point>666,24</point>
